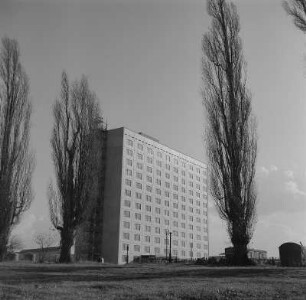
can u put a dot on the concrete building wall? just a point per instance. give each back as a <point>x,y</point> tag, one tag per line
<point>162,191</point>
<point>112,195</point>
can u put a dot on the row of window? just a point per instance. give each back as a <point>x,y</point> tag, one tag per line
<point>147,228</point>
<point>157,239</point>
<point>129,151</point>
<point>148,218</point>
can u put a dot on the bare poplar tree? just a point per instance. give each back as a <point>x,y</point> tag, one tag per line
<point>231,129</point>
<point>76,121</point>
<point>16,160</point>
<point>297,10</point>
<point>43,240</point>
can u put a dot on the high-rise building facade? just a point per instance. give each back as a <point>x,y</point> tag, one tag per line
<point>151,191</point>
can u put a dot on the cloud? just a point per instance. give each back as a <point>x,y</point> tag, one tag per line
<point>264,170</point>
<point>291,187</point>
<point>289,174</point>
<point>267,170</point>
<point>273,168</point>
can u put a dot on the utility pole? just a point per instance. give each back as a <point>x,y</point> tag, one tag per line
<point>166,244</point>
<point>170,258</point>
<point>127,254</point>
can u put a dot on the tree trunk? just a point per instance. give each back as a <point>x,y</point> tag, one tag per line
<point>3,244</point>
<point>66,244</point>
<point>240,257</point>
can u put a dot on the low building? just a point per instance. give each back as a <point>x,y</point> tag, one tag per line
<point>256,255</point>
<point>50,254</point>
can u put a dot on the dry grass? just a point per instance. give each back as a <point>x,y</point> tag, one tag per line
<point>93,281</point>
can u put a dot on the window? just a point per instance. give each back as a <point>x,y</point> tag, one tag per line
<point>137,216</point>
<point>167,175</point>
<point>157,210</point>
<point>138,175</point>
<point>157,250</point>
<point>140,146</point>
<point>191,218</point>
<point>158,172</point>
<point>147,249</point>
<point>139,166</point>
<point>166,222</point>
<point>175,214</point>
<point>175,187</point>
<point>191,184</point>
<point>167,203</point>
<point>126,213</point>
<point>149,188</point>
<point>124,246</point>
<point>140,156</point>
<point>157,220</point>
<point>137,205</point>
<point>175,205</point>
<point>129,162</point>
<point>139,185</point>
<point>159,163</point>
<point>157,240</point>
<point>127,203</point>
<point>149,179</point>
<point>137,237</point>
<point>130,142</point>
<point>183,207</point>
<point>175,169</point>
<point>175,233</point>
<point>167,185</point>
<point>175,178</point>
<point>128,193</point>
<point>168,167</point>
<point>175,196</point>
<point>148,208</point>
<point>175,243</point>
<point>147,238</point>
<point>166,212</point>
<point>126,235</point>
<point>158,182</point>
<point>183,225</point>
<point>183,235</point>
<point>158,191</point>
<point>129,152</point>
<point>159,154</point>
<point>148,198</point>
<point>138,195</point>
<point>148,228</point>
<point>158,201</point>
<point>126,224</point>
<point>157,230</point>
<point>128,182</point>
<point>191,209</point>
<point>137,227</point>
<point>175,161</point>
<point>149,160</point>
<point>148,218</point>
<point>190,193</point>
<point>167,194</point>
<point>183,198</point>
<point>149,169</point>
<point>129,172</point>
<point>190,227</point>
<point>136,248</point>
<point>150,151</point>
<point>175,223</point>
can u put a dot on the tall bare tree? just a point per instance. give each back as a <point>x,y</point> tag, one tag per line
<point>231,129</point>
<point>16,160</point>
<point>43,240</point>
<point>297,10</point>
<point>76,122</point>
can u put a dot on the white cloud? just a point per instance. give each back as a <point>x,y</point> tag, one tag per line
<point>273,168</point>
<point>289,174</point>
<point>264,170</point>
<point>291,187</point>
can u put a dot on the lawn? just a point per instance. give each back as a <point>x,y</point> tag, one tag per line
<point>93,281</point>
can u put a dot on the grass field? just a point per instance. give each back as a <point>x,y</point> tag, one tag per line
<point>92,281</point>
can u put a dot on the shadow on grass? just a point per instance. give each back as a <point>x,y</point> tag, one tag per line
<point>15,275</point>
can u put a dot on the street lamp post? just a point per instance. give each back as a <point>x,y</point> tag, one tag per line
<point>127,254</point>
<point>170,258</point>
<point>166,245</point>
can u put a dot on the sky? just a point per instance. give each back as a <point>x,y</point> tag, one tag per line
<point>143,60</point>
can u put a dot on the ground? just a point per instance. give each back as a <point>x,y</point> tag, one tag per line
<point>93,281</point>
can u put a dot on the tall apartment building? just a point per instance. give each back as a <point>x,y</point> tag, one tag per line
<point>149,192</point>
